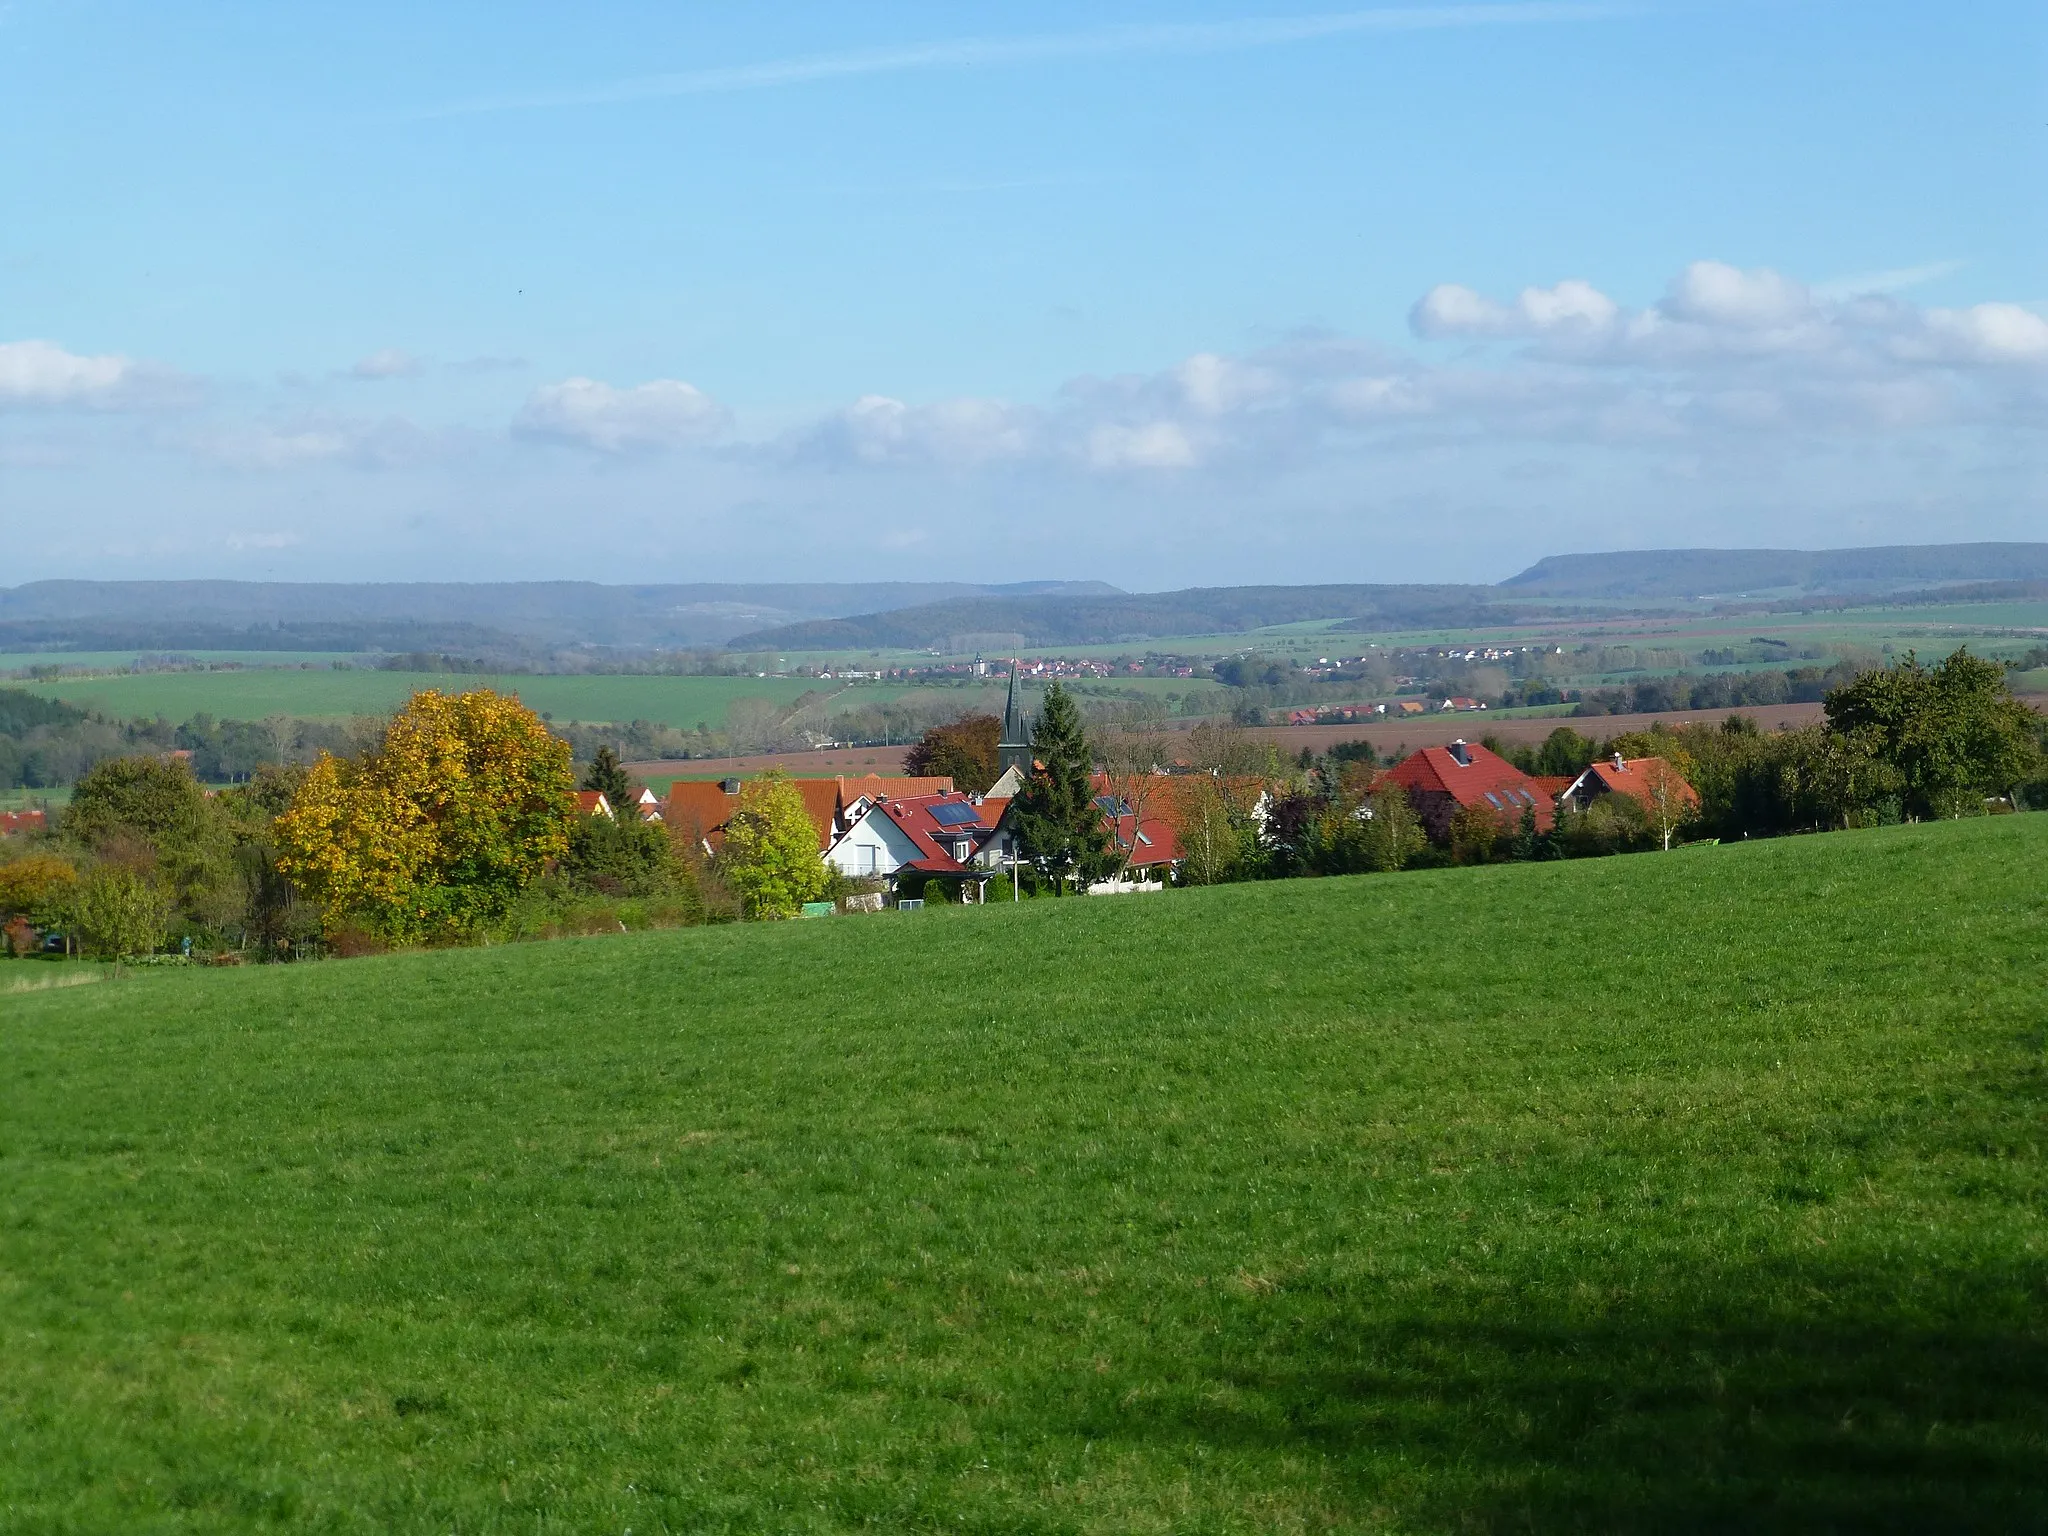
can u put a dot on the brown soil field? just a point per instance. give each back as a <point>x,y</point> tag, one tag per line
<point>1426,731</point>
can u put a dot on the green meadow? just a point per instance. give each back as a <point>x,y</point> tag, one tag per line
<point>1699,1191</point>
<point>682,702</point>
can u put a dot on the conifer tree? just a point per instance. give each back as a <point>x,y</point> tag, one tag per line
<point>1059,826</point>
<point>610,780</point>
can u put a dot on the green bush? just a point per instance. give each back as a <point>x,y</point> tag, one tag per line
<point>119,912</point>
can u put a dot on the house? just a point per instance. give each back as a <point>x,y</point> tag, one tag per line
<point>648,805</point>
<point>935,834</point>
<point>1651,781</point>
<point>592,802</point>
<point>1442,781</point>
<point>1461,704</point>
<point>12,822</point>
<point>703,806</point>
<point>1411,706</point>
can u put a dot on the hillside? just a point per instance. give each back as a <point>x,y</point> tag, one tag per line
<point>992,622</point>
<point>1637,1194</point>
<point>436,615</point>
<point>1678,573</point>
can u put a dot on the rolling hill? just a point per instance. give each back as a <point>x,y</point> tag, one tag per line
<point>228,615</point>
<point>1635,1194</point>
<point>1685,573</point>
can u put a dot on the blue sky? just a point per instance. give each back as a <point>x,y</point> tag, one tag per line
<point>1162,295</point>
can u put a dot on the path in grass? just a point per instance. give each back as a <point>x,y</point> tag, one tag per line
<point>1687,1191</point>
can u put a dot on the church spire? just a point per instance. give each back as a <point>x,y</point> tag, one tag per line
<point>1014,751</point>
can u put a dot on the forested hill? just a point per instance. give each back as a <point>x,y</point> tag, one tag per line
<point>367,615</point>
<point>1681,573</point>
<point>989,622</point>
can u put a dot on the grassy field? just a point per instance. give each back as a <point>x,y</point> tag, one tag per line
<point>11,661</point>
<point>678,701</point>
<point>1699,1191</point>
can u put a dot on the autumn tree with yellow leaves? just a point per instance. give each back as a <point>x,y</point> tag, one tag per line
<point>461,805</point>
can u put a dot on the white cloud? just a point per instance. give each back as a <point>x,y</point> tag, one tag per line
<point>386,363</point>
<point>42,374</point>
<point>1726,359</point>
<point>663,413</point>
<point>876,429</point>
<point>1987,333</point>
<point>1450,309</point>
<point>1713,293</point>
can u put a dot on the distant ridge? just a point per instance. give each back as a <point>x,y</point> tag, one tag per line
<point>995,622</point>
<point>357,615</point>
<point>1692,573</point>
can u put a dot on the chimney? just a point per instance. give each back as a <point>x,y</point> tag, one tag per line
<point>1619,765</point>
<point>730,786</point>
<point>1461,754</point>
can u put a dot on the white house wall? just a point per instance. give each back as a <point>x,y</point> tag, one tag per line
<point>874,845</point>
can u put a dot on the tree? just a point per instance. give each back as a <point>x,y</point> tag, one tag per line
<point>1211,836</point>
<point>1393,832</point>
<point>1953,732</point>
<point>612,781</point>
<point>39,888</point>
<point>149,797</point>
<point>119,912</point>
<point>1059,825</point>
<point>963,750</point>
<point>622,856</point>
<point>770,857</point>
<point>464,802</point>
<point>1474,831</point>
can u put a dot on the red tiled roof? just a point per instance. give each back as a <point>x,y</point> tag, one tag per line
<point>1554,784</point>
<point>591,802</point>
<point>703,805</point>
<point>22,821</point>
<point>1639,778</point>
<point>934,840</point>
<point>1487,782</point>
<point>901,787</point>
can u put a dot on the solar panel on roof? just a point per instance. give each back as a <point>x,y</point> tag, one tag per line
<point>954,815</point>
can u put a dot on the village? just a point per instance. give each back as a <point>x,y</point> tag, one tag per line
<point>903,832</point>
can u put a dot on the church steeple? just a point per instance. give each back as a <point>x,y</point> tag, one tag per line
<point>1014,750</point>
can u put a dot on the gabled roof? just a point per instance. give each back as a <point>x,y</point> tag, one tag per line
<point>1485,781</point>
<point>591,802</point>
<point>918,817</point>
<point>901,787</point>
<point>1640,778</point>
<point>704,805</point>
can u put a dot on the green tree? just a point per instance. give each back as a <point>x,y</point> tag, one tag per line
<point>1213,837</point>
<point>1393,832</point>
<point>119,912</point>
<point>622,856</point>
<point>611,780</point>
<point>1059,825</point>
<point>1474,832</point>
<point>770,858</point>
<point>147,797</point>
<point>1953,732</point>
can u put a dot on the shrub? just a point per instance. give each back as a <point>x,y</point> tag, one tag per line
<point>117,913</point>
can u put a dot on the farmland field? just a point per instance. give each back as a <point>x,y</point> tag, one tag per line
<point>250,695</point>
<point>1693,1191</point>
<point>15,661</point>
